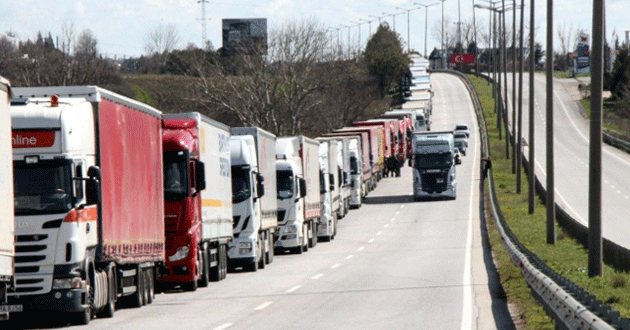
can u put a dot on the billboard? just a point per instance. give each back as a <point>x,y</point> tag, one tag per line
<point>582,62</point>
<point>244,36</point>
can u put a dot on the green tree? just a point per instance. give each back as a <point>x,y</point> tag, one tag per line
<point>620,77</point>
<point>385,58</point>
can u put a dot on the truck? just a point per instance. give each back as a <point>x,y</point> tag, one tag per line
<point>408,120</point>
<point>197,200</point>
<point>343,169</point>
<point>390,143</point>
<point>329,190</point>
<point>7,224</point>
<point>363,161</point>
<point>299,200</point>
<point>434,165</point>
<point>255,206</point>
<point>89,200</point>
<point>375,142</point>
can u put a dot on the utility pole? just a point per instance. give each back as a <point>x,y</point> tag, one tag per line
<point>426,8</point>
<point>532,64</point>
<point>519,155</point>
<point>442,43</point>
<point>551,204</point>
<point>203,23</point>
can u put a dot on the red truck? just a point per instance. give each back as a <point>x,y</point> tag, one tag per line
<point>390,143</point>
<point>198,218</point>
<point>89,194</point>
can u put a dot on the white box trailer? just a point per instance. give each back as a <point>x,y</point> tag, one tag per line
<point>255,206</point>
<point>343,182</point>
<point>6,200</point>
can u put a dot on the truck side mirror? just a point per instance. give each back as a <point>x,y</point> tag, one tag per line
<point>260,187</point>
<point>302,187</point>
<point>331,179</point>
<point>92,186</point>
<point>200,174</point>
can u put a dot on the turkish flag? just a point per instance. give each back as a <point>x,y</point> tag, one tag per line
<point>463,58</point>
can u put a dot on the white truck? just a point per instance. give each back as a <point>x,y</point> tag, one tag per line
<point>343,169</point>
<point>434,165</point>
<point>299,204</point>
<point>89,200</point>
<point>253,157</point>
<point>198,199</point>
<point>6,202</point>
<point>329,190</point>
<point>356,172</point>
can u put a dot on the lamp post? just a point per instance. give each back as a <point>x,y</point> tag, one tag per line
<point>408,38</point>
<point>442,37</point>
<point>426,8</point>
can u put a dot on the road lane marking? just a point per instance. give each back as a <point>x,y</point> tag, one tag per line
<point>349,257</point>
<point>386,225</point>
<point>392,220</point>
<point>371,240</point>
<point>293,289</point>
<point>263,305</point>
<point>361,248</point>
<point>397,212</point>
<point>317,276</point>
<point>402,206</point>
<point>380,232</point>
<point>335,266</point>
<point>223,326</point>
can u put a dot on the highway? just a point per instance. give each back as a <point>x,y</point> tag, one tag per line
<point>395,264</point>
<point>571,161</point>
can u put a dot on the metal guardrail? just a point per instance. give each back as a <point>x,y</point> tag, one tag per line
<point>569,305</point>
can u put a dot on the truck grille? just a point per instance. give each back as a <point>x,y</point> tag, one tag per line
<point>281,214</point>
<point>435,182</point>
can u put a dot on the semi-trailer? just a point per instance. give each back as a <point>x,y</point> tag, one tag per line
<point>329,190</point>
<point>89,200</point>
<point>375,142</point>
<point>7,221</point>
<point>255,206</point>
<point>368,182</point>
<point>198,200</point>
<point>390,143</point>
<point>299,200</point>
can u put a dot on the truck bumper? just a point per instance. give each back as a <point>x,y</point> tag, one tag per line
<point>289,238</point>
<point>64,300</point>
<point>325,228</point>
<point>419,194</point>
<point>179,272</point>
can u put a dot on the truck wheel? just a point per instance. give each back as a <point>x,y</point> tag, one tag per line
<point>253,267</point>
<point>205,268</point>
<point>263,254</point>
<point>305,237</point>
<point>271,249</point>
<point>150,286</point>
<point>216,272</point>
<point>223,261</point>
<point>137,298</point>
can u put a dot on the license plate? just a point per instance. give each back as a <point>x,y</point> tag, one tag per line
<point>10,308</point>
<point>439,180</point>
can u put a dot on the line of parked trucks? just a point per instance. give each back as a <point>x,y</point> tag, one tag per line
<point>105,201</point>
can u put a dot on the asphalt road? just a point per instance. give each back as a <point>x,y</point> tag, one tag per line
<point>395,264</point>
<point>571,159</point>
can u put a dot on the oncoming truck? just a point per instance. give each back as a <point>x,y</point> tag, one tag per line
<point>198,199</point>
<point>89,200</point>
<point>434,165</point>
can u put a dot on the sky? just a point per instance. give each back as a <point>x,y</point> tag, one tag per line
<point>121,27</point>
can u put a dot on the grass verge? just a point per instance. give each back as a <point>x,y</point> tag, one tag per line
<point>567,256</point>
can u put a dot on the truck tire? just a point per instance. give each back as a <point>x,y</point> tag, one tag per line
<point>150,286</point>
<point>205,267</point>
<point>190,286</point>
<point>270,250</point>
<point>110,307</point>
<point>305,237</point>
<point>262,262</point>
<point>216,272</point>
<point>223,261</point>
<point>137,298</point>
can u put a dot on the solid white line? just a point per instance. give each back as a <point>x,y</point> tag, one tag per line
<point>335,266</point>
<point>361,248</point>
<point>467,305</point>
<point>317,276</point>
<point>293,289</point>
<point>224,326</point>
<point>263,305</point>
<point>349,257</point>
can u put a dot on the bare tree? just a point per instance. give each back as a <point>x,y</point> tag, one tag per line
<point>162,39</point>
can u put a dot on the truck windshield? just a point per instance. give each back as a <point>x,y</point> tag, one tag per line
<point>425,161</point>
<point>285,184</point>
<point>43,188</point>
<point>241,187</point>
<point>354,166</point>
<point>175,176</point>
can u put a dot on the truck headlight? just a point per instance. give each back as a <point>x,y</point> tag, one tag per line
<point>244,247</point>
<point>290,229</point>
<point>182,252</point>
<point>68,283</point>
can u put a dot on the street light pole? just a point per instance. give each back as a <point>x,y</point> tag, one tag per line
<point>442,37</point>
<point>426,8</point>
<point>408,28</point>
<point>532,63</point>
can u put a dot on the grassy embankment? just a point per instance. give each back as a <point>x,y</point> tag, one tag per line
<point>566,257</point>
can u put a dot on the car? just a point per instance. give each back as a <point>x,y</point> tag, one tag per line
<point>461,141</point>
<point>462,128</point>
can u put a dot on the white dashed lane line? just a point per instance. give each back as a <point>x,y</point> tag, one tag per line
<point>317,276</point>
<point>371,240</point>
<point>335,266</point>
<point>349,257</point>
<point>361,248</point>
<point>223,326</point>
<point>293,289</point>
<point>263,305</point>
